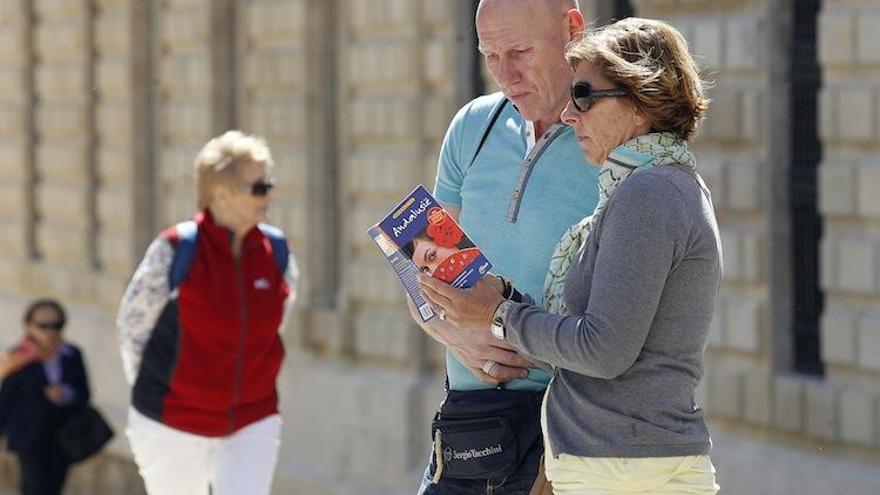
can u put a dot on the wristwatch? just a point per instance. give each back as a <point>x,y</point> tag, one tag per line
<point>498,319</point>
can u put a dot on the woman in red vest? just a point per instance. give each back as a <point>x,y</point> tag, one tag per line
<point>199,327</point>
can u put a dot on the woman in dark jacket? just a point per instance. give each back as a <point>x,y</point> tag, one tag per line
<point>46,382</point>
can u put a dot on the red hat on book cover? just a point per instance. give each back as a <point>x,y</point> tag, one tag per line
<point>455,263</point>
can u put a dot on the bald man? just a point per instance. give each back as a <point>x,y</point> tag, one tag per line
<point>515,179</point>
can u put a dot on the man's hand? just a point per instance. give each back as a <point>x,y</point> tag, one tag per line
<point>464,308</point>
<point>473,348</point>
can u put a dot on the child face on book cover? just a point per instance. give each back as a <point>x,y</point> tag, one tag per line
<point>427,255</point>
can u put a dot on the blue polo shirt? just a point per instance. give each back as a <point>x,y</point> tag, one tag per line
<point>561,190</point>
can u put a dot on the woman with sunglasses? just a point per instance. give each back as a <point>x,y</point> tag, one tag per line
<point>631,289</point>
<point>199,328</point>
<point>44,383</point>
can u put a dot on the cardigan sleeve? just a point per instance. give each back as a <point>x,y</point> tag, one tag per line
<point>643,230</point>
<point>143,302</point>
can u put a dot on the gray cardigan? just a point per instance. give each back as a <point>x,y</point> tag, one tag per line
<point>640,298</point>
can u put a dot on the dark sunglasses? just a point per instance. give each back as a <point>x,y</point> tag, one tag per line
<point>262,187</point>
<point>53,325</point>
<point>583,96</point>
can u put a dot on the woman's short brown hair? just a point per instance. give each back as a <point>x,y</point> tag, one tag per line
<point>38,304</point>
<point>651,60</point>
<point>219,159</point>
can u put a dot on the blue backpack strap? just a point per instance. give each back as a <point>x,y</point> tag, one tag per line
<point>280,251</point>
<point>184,252</point>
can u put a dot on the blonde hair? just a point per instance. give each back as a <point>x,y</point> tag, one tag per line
<point>219,160</point>
<point>651,60</point>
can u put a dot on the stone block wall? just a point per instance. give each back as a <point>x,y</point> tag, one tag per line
<point>396,62</point>
<point>743,155</point>
<point>104,104</point>
<point>359,358</point>
<point>16,121</point>
<point>743,152</point>
<point>63,145</point>
<point>738,153</point>
<point>850,276</point>
<point>183,108</point>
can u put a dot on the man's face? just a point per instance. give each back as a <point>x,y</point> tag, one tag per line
<point>523,42</point>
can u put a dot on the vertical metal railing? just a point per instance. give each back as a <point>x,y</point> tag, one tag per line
<point>806,153</point>
<point>622,9</point>
<point>470,82</point>
<point>32,178</point>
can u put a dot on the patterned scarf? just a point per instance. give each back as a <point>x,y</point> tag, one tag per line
<point>650,150</point>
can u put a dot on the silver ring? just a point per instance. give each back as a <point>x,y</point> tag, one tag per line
<point>441,313</point>
<point>489,366</point>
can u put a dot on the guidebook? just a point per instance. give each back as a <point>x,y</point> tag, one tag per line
<point>419,235</point>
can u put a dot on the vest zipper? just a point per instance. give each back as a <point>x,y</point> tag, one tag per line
<point>239,358</point>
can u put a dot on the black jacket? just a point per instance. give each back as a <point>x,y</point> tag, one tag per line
<point>27,418</point>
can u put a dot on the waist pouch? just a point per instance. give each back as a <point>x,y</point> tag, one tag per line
<point>485,434</point>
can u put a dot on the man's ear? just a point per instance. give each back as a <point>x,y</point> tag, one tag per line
<point>575,24</point>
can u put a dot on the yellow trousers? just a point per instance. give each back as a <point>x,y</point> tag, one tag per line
<point>575,475</point>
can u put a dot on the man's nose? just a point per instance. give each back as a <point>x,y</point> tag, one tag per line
<point>509,73</point>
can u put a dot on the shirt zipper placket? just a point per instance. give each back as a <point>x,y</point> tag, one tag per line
<point>528,164</point>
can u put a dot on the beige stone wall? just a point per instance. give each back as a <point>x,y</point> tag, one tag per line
<point>183,110</point>
<point>276,98</point>
<point>849,178</point>
<point>738,151</point>
<point>743,155</point>
<point>397,61</point>
<point>362,363</point>
<point>104,103</point>
<point>15,123</point>
<point>123,202</point>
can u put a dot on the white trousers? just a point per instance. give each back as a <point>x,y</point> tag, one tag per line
<point>174,462</point>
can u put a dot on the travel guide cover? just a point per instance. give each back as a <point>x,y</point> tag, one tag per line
<point>419,235</point>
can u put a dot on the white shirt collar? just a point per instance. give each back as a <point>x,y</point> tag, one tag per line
<point>530,136</point>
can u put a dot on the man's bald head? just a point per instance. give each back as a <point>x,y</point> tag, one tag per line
<point>523,42</point>
<point>552,5</point>
<point>539,11</point>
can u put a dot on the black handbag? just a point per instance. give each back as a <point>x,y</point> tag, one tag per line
<point>485,434</point>
<point>82,434</point>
